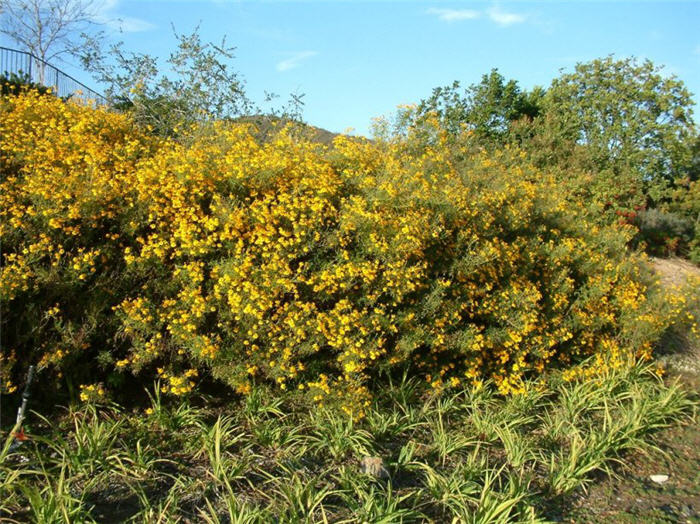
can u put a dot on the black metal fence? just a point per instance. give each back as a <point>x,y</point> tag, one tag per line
<point>38,71</point>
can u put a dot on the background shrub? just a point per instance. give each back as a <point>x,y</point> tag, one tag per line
<point>664,233</point>
<point>685,202</point>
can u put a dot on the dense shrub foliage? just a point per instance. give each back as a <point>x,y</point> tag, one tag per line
<point>292,263</point>
<point>15,83</point>
<point>686,204</point>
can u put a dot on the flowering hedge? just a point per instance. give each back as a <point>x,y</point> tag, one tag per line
<point>292,263</point>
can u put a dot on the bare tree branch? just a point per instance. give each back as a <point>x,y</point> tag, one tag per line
<point>46,28</point>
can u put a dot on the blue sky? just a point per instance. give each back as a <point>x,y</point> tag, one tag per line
<point>358,60</point>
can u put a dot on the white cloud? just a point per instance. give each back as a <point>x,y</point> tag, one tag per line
<point>125,24</point>
<point>107,5</point>
<point>454,15</point>
<point>295,60</point>
<point>503,18</point>
<point>495,14</point>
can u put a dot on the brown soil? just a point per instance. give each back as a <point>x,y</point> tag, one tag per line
<point>674,271</point>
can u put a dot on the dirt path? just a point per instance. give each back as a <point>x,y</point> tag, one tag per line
<point>674,271</point>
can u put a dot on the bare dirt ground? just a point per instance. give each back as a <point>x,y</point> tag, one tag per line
<point>632,496</point>
<point>679,354</point>
<point>674,271</point>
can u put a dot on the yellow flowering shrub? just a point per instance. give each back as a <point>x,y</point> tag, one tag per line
<point>288,262</point>
<point>92,393</point>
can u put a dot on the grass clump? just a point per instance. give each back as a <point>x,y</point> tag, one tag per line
<point>472,456</point>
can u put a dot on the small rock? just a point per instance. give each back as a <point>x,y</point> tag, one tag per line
<point>374,466</point>
<point>659,479</point>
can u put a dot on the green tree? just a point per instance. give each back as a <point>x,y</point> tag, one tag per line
<point>630,118</point>
<point>694,171</point>
<point>487,109</point>
<point>199,83</point>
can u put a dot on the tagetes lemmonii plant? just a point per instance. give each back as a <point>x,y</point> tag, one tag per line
<point>297,264</point>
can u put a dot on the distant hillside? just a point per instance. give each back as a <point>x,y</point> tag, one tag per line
<point>267,123</point>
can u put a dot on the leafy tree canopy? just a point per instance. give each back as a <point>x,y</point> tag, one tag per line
<point>486,108</point>
<point>198,83</point>
<point>630,117</point>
